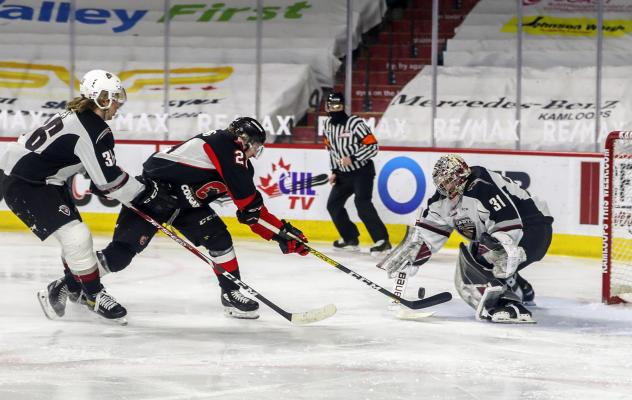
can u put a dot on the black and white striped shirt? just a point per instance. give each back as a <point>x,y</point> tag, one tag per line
<point>353,139</point>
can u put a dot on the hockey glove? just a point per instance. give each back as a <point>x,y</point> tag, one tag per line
<point>156,198</point>
<point>251,213</point>
<point>289,245</point>
<point>249,216</point>
<point>500,251</point>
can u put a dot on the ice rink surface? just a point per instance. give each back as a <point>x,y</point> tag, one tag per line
<point>178,345</point>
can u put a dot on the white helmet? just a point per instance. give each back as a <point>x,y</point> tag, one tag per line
<point>97,81</point>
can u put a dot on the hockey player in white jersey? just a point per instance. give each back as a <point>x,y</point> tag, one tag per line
<point>508,230</point>
<point>34,186</point>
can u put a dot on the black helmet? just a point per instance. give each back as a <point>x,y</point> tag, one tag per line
<point>335,102</point>
<point>249,127</point>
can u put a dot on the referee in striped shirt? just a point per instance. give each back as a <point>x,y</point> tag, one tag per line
<point>351,146</point>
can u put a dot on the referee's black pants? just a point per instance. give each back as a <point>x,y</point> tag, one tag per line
<point>360,184</point>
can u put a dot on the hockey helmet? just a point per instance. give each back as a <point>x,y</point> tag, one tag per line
<point>99,84</point>
<point>450,174</point>
<point>250,131</point>
<point>335,102</point>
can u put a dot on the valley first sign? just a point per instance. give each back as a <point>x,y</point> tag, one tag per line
<point>124,19</point>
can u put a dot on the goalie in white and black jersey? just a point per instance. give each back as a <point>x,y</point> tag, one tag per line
<point>508,229</point>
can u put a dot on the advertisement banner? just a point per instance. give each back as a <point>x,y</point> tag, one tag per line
<point>295,32</point>
<point>476,108</point>
<point>540,59</point>
<point>201,97</point>
<point>555,6</point>
<point>403,183</point>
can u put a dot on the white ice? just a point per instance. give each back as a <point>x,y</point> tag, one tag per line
<point>178,345</point>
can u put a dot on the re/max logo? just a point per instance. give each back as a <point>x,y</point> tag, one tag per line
<point>125,19</point>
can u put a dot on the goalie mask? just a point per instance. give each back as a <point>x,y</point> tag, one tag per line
<point>99,85</point>
<point>450,174</point>
<point>250,131</point>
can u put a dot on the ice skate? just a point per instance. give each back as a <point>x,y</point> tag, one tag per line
<point>511,312</point>
<point>381,247</point>
<point>53,299</point>
<point>351,245</point>
<point>237,305</point>
<point>106,306</point>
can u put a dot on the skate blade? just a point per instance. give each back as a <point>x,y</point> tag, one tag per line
<point>411,315</point>
<point>513,321</point>
<point>49,312</point>
<point>349,249</point>
<point>380,253</point>
<point>111,321</point>
<point>234,313</point>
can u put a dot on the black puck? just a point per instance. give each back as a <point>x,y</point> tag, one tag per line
<point>421,293</point>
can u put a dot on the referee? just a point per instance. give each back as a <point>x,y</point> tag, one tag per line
<point>351,146</point>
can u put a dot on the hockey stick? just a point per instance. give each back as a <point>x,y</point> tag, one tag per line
<point>316,180</point>
<point>301,318</point>
<point>415,304</point>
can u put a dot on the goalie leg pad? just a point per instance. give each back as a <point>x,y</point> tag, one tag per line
<point>471,278</point>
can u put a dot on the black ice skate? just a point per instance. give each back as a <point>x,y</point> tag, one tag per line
<point>510,312</point>
<point>237,305</point>
<point>381,247</point>
<point>53,299</point>
<point>351,245</point>
<point>106,306</point>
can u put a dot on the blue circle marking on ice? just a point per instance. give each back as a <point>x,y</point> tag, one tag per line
<point>420,180</point>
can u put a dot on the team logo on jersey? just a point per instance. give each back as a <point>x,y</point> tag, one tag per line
<point>283,181</point>
<point>466,228</point>
<point>64,209</point>
<point>143,240</point>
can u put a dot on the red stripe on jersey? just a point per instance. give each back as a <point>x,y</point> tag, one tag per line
<point>242,203</point>
<point>509,228</point>
<point>432,229</point>
<point>211,155</point>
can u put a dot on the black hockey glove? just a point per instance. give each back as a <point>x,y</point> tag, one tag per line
<point>289,245</point>
<point>251,213</point>
<point>249,216</point>
<point>156,198</point>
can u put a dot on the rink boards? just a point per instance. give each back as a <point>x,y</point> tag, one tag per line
<point>568,182</point>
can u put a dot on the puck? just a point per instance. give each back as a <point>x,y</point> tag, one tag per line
<point>421,293</point>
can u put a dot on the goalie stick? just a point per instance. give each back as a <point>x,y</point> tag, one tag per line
<point>412,304</point>
<point>316,180</point>
<point>301,318</point>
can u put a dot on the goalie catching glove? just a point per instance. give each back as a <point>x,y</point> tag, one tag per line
<point>409,255</point>
<point>286,240</point>
<point>499,250</point>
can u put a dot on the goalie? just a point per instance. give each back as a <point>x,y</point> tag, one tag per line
<point>508,230</point>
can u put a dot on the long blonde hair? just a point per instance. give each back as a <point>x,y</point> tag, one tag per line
<point>81,104</point>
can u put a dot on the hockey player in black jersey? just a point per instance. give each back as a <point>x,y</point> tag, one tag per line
<point>197,172</point>
<point>35,189</point>
<point>508,229</point>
